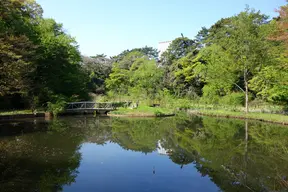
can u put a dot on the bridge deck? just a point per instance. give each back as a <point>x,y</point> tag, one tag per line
<point>90,106</point>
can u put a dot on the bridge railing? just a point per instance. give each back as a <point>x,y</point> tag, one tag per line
<point>94,105</point>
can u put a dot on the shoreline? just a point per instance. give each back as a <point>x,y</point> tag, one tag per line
<point>226,114</point>
<point>22,116</point>
<point>233,116</point>
<point>139,115</point>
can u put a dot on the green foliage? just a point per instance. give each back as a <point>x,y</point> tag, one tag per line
<point>60,71</point>
<point>237,50</point>
<point>172,60</point>
<point>143,110</point>
<point>179,48</point>
<point>188,76</point>
<point>39,60</point>
<point>136,75</point>
<point>57,106</point>
<point>243,53</point>
<point>211,94</point>
<point>17,46</point>
<point>98,68</point>
<point>271,82</point>
<point>158,113</point>
<point>145,75</point>
<point>149,52</point>
<point>233,99</point>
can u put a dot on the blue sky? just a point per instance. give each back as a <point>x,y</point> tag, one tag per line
<point>111,26</point>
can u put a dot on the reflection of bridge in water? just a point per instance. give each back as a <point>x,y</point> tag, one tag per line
<point>90,107</point>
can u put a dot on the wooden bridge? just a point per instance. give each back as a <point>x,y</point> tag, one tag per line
<point>90,107</point>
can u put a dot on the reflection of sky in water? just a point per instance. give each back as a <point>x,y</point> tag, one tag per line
<point>47,156</point>
<point>111,168</point>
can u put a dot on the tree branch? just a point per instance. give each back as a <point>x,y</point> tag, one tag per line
<point>239,87</point>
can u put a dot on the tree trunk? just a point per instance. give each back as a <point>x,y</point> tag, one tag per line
<point>246,92</point>
<point>246,151</point>
<point>246,98</point>
<point>246,136</point>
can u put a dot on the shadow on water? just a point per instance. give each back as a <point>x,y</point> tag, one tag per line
<point>236,155</point>
<point>35,157</point>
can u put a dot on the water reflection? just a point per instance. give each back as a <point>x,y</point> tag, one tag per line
<point>235,155</point>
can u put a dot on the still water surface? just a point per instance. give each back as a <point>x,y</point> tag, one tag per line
<point>179,154</point>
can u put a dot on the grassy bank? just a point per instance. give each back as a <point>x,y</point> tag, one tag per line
<point>274,118</point>
<point>15,112</point>
<point>143,111</point>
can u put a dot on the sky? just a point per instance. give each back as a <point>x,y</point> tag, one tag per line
<point>112,26</point>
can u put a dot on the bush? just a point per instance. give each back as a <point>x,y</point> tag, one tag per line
<point>210,95</point>
<point>158,113</point>
<point>121,104</point>
<point>183,104</point>
<point>57,106</point>
<point>233,99</point>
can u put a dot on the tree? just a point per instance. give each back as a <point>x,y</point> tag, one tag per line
<point>240,52</point>
<point>188,80</point>
<point>118,81</point>
<point>247,45</point>
<point>149,52</point>
<point>98,68</point>
<point>271,81</point>
<point>58,70</point>
<point>146,79</point>
<point>281,34</point>
<point>179,48</point>
<point>17,48</point>
<point>136,74</point>
<point>201,37</point>
<point>39,61</point>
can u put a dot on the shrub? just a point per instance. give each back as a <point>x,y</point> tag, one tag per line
<point>183,104</point>
<point>210,95</point>
<point>234,99</point>
<point>159,113</point>
<point>57,106</point>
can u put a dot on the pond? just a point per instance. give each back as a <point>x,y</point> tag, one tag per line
<point>175,154</point>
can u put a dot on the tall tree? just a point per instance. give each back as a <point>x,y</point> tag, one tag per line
<point>271,82</point>
<point>149,52</point>
<point>240,51</point>
<point>17,44</point>
<point>179,48</point>
<point>58,70</point>
<point>146,79</point>
<point>248,45</point>
<point>98,68</point>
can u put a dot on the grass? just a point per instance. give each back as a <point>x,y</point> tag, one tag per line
<point>277,118</point>
<point>17,112</point>
<point>143,111</point>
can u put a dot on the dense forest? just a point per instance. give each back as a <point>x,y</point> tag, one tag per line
<point>240,61</point>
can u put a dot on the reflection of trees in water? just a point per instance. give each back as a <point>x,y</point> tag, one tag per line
<point>219,148</point>
<point>182,157</point>
<point>235,155</point>
<point>138,135</point>
<point>38,161</point>
<point>235,163</point>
